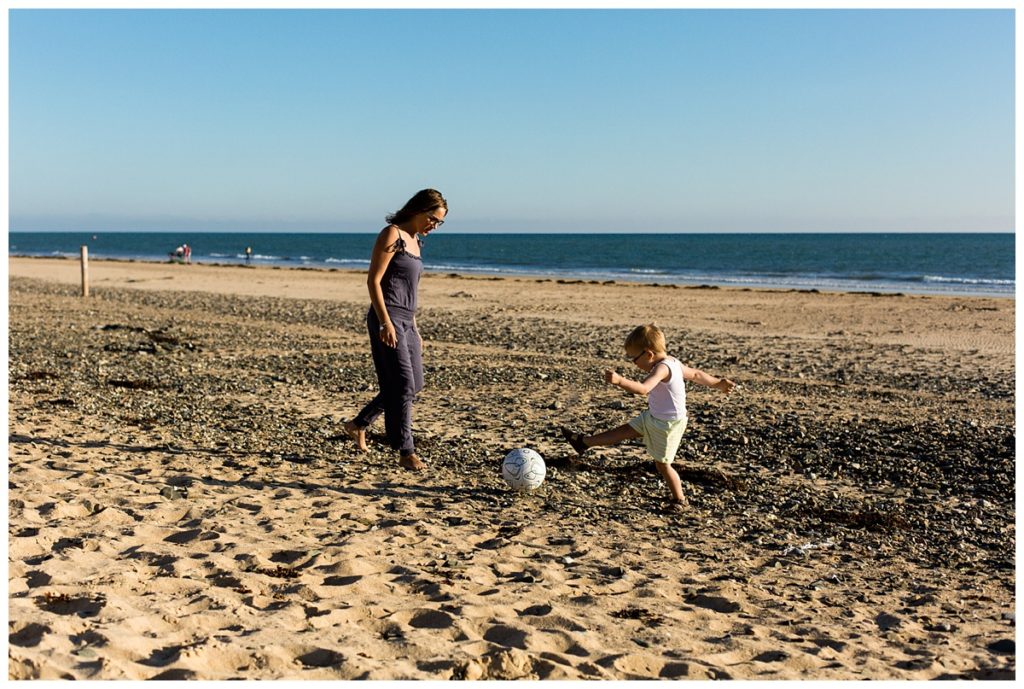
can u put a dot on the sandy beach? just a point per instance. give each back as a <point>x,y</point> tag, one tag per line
<point>184,504</point>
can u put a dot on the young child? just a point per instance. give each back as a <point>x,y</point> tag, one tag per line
<point>662,424</point>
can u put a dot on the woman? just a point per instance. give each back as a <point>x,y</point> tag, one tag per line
<point>395,342</point>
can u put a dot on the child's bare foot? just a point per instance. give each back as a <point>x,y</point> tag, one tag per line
<point>412,462</point>
<point>358,435</point>
<point>574,439</point>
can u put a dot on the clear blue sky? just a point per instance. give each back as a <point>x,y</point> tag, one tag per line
<point>527,120</point>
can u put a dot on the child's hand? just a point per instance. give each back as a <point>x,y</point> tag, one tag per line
<point>725,385</point>
<point>611,377</point>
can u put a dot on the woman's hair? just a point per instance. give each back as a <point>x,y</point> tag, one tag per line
<point>647,337</point>
<point>424,201</point>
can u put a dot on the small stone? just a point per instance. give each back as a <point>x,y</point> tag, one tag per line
<point>173,493</point>
<point>885,621</point>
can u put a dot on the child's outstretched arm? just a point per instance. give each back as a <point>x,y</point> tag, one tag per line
<point>700,378</point>
<point>658,374</point>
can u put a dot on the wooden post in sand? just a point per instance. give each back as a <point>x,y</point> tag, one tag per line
<point>85,271</point>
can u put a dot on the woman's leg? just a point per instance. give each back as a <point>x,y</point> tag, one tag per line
<point>400,373</point>
<point>356,427</point>
<point>408,382</point>
<point>400,377</point>
<point>409,459</point>
<point>374,408</point>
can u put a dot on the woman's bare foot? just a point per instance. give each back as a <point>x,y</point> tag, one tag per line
<point>358,434</point>
<point>412,462</point>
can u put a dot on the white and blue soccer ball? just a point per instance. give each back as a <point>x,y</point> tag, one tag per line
<point>523,469</point>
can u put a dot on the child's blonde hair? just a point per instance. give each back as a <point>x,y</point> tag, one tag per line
<point>647,337</point>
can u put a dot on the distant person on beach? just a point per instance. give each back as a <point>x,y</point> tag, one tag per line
<point>395,343</point>
<point>663,423</point>
<point>179,254</point>
<point>248,254</point>
<point>188,253</point>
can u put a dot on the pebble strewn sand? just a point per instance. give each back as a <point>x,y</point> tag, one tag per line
<point>183,503</point>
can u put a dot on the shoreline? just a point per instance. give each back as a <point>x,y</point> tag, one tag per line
<point>567,278</point>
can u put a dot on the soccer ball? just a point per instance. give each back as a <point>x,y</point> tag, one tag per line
<point>523,469</point>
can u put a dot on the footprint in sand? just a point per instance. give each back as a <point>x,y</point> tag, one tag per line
<point>678,670</point>
<point>162,656</point>
<point>321,657</point>
<point>288,556</point>
<point>503,635</point>
<point>62,544</point>
<point>555,644</point>
<point>437,623</point>
<point>254,509</point>
<point>91,668</point>
<point>28,635</point>
<point>163,563</point>
<point>89,638</point>
<point>431,619</point>
<point>182,537</point>
<point>37,578</point>
<point>645,666</point>
<point>175,674</point>
<point>64,604</point>
<point>227,581</point>
<point>716,603</point>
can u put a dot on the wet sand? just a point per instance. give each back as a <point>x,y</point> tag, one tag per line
<point>184,504</point>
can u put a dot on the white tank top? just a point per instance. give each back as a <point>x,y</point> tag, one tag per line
<point>667,401</point>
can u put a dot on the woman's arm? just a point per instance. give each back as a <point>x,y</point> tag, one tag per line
<point>383,252</point>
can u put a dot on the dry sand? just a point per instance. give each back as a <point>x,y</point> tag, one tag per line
<point>183,503</point>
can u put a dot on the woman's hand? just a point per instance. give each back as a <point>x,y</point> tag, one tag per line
<point>388,335</point>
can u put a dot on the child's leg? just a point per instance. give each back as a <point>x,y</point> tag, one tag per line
<point>672,479</point>
<point>612,437</point>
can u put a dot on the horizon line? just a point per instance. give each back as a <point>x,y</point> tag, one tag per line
<point>505,232</point>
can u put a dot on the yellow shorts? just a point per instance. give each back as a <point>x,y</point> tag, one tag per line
<point>661,438</point>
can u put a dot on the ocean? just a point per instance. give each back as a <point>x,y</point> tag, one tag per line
<point>939,263</point>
